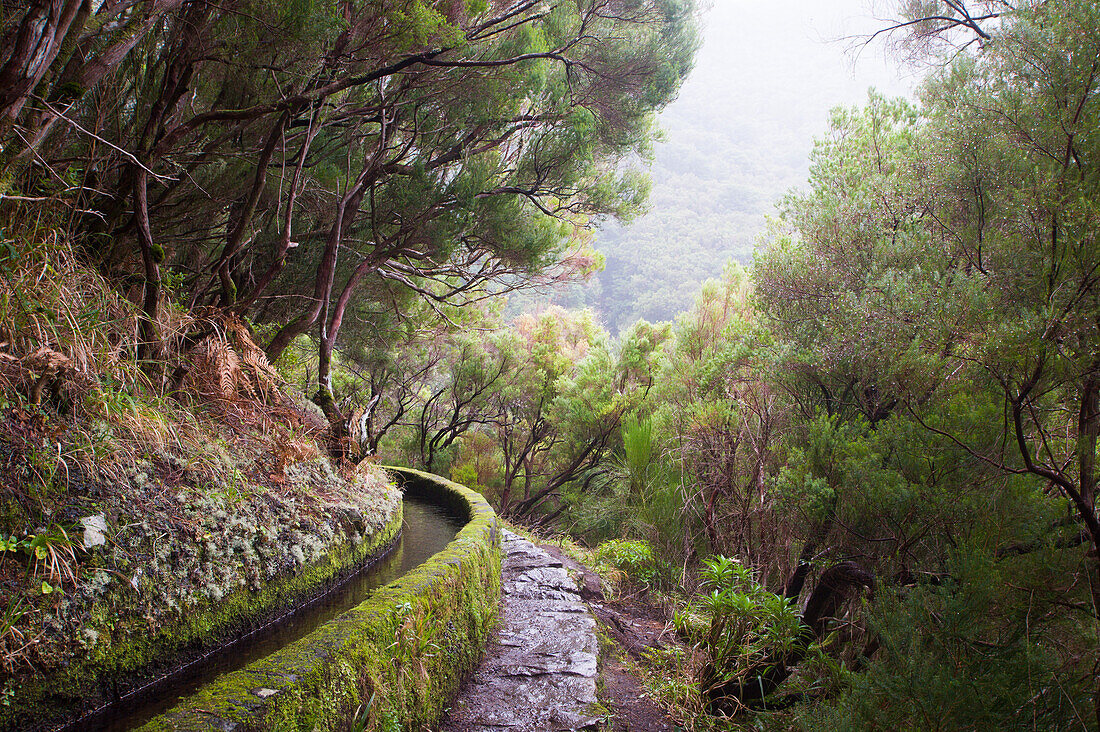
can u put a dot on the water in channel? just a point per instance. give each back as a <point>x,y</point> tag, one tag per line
<point>427,529</point>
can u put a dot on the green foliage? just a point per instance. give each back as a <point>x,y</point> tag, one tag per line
<point>939,374</point>
<point>632,494</point>
<point>908,384</point>
<point>51,554</point>
<point>633,557</point>
<point>466,475</point>
<point>715,417</point>
<point>744,628</point>
<point>944,664</point>
<point>439,149</point>
<point>637,450</point>
<point>13,613</point>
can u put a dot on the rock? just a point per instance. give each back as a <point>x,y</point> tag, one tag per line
<point>95,530</point>
<point>539,672</point>
<point>353,517</point>
<point>590,587</point>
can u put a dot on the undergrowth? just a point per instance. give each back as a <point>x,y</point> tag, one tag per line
<point>628,570</point>
<point>69,363</point>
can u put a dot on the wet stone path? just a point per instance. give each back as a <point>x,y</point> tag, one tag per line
<point>539,669</point>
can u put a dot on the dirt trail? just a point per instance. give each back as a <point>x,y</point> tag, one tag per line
<point>631,627</point>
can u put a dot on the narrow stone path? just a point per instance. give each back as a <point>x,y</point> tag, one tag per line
<point>539,671</point>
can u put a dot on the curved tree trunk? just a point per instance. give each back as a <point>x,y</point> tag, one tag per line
<point>151,256</point>
<point>33,48</point>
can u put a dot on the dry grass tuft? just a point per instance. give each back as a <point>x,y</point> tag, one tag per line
<point>51,301</point>
<point>206,438</point>
<point>17,637</point>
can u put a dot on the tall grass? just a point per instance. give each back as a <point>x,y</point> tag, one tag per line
<point>634,494</point>
<point>51,300</point>
<point>63,326</point>
<point>637,459</point>
<point>69,342</point>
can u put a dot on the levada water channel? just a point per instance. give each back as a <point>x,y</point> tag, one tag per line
<point>428,528</point>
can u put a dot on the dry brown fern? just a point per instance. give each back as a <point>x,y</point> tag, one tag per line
<point>254,364</point>
<point>292,449</point>
<point>227,363</point>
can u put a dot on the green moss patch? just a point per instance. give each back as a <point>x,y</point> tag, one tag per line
<point>392,662</point>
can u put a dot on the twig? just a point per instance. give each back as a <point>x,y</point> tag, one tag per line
<point>126,153</point>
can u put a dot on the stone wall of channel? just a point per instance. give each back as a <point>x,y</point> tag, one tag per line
<point>393,662</point>
<point>182,570</point>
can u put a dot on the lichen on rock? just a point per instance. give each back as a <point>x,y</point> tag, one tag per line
<point>393,662</point>
<point>182,566</point>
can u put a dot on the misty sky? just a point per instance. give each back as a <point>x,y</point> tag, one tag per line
<point>784,58</point>
<point>767,75</point>
<point>736,140</point>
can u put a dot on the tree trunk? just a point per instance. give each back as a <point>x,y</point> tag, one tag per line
<point>326,270</point>
<point>1088,431</point>
<point>151,256</point>
<point>34,47</point>
<point>285,242</point>
<point>236,237</point>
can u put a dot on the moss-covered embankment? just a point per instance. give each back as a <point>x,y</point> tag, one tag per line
<point>393,662</point>
<point>184,569</point>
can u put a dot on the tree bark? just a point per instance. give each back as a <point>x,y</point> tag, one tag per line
<point>1088,431</point>
<point>34,47</point>
<point>346,210</point>
<point>236,236</point>
<point>285,241</point>
<point>151,256</point>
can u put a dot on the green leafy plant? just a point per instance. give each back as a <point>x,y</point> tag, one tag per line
<point>52,552</point>
<point>54,555</point>
<point>412,633</point>
<point>466,474</point>
<point>12,615</point>
<point>14,640</point>
<point>747,626</point>
<point>633,557</point>
<point>360,721</point>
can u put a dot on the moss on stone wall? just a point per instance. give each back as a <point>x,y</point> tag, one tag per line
<point>392,662</point>
<point>136,632</point>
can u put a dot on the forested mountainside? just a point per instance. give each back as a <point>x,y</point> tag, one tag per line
<point>203,202</point>
<point>734,142</point>
<point>859,478</point>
